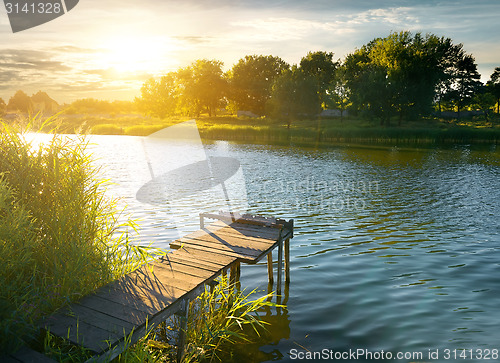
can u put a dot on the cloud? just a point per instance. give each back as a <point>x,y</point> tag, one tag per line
<point>70,51</point>
<point>30,60</point>
<point>193,39</point>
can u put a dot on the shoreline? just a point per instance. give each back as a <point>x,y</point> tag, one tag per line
<point>307,132</point>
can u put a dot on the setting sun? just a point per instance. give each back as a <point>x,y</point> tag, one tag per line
<point>128,54</point>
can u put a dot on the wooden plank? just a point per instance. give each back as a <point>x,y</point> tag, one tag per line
<point>84,334</point>
<point>228,233</point>
<point>229,245</point>
<point>187,269</point>
<point>185,259</point>
<point>26,355</point>
<point>246,230</point>
<point>205,256</point>
<point>116,309</point>
<point>199,245</point>
<point>186,280</point>
<point>98,319</point>
<point>9,359</point>
<point>270,222</point>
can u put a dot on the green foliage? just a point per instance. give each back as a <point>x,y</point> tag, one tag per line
<point>338,94</point>
<point>464,83</point>
<point>251,80</point>
<point>220,319</point>
<point>160,97</point>
<point>20,102</point>
<point>204,87</point>
<point>493,86</point>
<point>322,67</point>
<point>294,94</point>
<point>59,235</point>
<point>403,74</point>
<point>106,129</point>
<point>3,107</point>
<point>94,106</point>
<point>188,91</point>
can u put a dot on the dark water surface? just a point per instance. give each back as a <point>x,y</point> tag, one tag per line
<point>395,250</point>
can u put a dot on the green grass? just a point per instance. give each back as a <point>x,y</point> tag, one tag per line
<point>351,130</point>
<point>59,235</point>
<point>428,131</point>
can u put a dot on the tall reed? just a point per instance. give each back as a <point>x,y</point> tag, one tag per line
<point>219,319</point>
<point>59,233</point>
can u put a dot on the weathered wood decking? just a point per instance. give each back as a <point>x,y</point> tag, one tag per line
<point>122,311</point>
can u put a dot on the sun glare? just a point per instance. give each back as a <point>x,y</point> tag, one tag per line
<point>129,54</point>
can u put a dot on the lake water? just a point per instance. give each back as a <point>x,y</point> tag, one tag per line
<point>395,250</point>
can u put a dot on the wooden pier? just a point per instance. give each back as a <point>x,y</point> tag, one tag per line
<point>121,312</point>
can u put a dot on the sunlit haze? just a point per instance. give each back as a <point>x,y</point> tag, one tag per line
<point>108,49</point>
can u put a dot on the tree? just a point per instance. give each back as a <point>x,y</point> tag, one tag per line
<point>160,97</point>
<point>464,83</point>
<point>483,100</point>
<point>294,94</point>
<point>20,102</point>
<point>322,67</point>
<point>251,80</point>
<point>3,107</point>
<point>204,87</point>
<point>403,74</point>
<point>493,86</point>
<point>338,93</point>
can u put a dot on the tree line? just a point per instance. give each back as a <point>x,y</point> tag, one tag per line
<point>402,76</point>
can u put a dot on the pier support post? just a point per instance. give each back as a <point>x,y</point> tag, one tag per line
<point>234,278</point>
<point>280,264</point>
<point>287,260</point>
<point>182,334</point>
<point>270,267</point>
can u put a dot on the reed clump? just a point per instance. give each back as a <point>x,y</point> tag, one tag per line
<point>220,319</point>
<point>59,234</point>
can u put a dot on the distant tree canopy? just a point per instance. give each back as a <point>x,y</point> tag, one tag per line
<point>493,86</point>
<point>295,93</point>
<point>95,106</point>
<point>199,87</point>
<point>322,67</point>
<point>403,76</point>
<point>251,80</point>
<point>20,102</point>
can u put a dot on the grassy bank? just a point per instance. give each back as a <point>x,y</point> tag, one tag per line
<point>356,131</point>
<point>58,237</point>
<point>308,131</point>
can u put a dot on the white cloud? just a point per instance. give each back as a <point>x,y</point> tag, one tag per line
<point>285,29</point>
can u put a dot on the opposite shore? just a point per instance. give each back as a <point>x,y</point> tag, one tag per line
<point>312,132</point>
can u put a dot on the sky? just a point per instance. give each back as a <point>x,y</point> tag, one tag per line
<point>107,49</point>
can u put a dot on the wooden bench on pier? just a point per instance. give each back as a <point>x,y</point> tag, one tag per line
<point>120,313</point>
